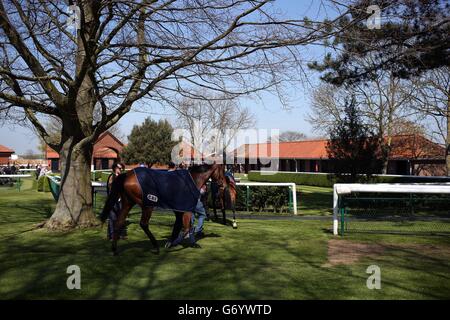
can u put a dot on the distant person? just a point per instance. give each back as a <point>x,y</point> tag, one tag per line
<point>117,169</point>
<point>38,171</point>
<point>43,172</point>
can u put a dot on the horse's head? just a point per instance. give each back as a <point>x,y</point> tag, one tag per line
<point>201,173</point>
<point>218,175</point>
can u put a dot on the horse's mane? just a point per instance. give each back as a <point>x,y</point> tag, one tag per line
<point>200,168</point>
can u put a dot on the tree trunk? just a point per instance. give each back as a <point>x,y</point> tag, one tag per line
<point>447,142</point>
<point>385,144</point>
<point>74,207</point>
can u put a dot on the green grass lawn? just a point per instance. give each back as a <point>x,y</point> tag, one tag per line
<point>314,200</point>
<point>260,260</point>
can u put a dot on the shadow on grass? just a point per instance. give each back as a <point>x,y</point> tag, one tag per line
<point>259,260</point>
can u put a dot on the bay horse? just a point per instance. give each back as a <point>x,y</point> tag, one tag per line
<point>126,188</point>
<point>227,198</point>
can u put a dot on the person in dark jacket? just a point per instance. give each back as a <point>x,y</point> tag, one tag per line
<point>117,168</point>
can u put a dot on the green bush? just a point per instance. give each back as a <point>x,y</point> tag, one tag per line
<point>261,199</point>
<point>42,184</point>
<point>327,180</point>
<point>104,176</point>
<point>308,179</point>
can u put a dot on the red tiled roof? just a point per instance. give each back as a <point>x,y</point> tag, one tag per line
<point>415,147</point>
<point>51,154</point>
<point>106,146</point>
<point>307,149</point>
<point>403,147</point>
<point>100,153</point>
<point>107,133</point>
<point>5,149</point>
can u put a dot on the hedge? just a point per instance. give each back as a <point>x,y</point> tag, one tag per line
<point>308,179</point>
<point>327,180</point>
<point>42,184</point>
<point>261,199</point>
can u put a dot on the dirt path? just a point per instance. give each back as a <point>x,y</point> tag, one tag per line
<point>348,252</point>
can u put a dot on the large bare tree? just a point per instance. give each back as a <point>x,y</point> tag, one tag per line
<point>432,94</point>
<point>108,56</point>
<point>211,124</point>
<point>289,135</point>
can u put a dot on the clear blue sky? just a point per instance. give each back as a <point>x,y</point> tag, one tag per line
<point>269,115</point>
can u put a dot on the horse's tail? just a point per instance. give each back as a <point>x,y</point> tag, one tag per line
<point>116,188</point>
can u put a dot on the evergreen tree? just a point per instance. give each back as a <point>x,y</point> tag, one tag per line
<point>149,143</point>
<point>413,37</point>
<point>352,149</point>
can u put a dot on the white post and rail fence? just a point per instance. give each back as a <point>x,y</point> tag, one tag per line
<point>340,190</point>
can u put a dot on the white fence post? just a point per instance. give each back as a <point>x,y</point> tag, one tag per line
<point>335,210</point>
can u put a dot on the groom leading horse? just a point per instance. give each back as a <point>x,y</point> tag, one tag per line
<point>178,190</point>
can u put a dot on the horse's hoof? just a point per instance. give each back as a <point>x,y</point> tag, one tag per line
<point>155,251</point>
<point>234,225</point>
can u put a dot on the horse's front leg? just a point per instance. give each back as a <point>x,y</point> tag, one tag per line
<point>181,228</point>
<point>176,230</point>
<point>222,204</point>
<point>233,207</point>
<point>234,220</point>
<point>214,199</point>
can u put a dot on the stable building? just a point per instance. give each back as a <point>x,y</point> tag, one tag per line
<point>410,155</point>
<point>5,155</point>
<point>107,150</point>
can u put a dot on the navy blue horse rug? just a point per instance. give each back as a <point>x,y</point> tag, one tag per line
<point>173,190</point>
